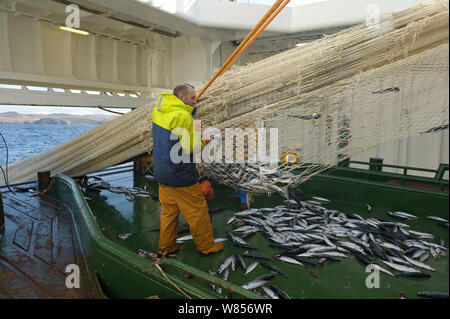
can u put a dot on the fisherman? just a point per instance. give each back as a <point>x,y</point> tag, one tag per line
<point>175,171</point>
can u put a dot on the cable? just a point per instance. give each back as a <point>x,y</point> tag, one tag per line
<point>5,175</point>
<point>101,108</point>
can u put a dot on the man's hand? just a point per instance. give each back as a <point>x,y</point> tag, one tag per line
<point>207,190</point>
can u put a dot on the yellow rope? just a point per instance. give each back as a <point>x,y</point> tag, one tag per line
<point>167,278</point>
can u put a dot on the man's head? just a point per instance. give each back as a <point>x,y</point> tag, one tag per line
<point>186,93</point>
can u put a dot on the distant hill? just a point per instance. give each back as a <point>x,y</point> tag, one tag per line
<point>57,118</point>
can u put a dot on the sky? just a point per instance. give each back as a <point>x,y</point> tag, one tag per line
<point>53,109</point>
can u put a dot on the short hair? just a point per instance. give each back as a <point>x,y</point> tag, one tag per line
<point>181,88</point>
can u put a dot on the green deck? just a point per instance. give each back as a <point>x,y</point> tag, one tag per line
<point>345,279</point>
<point>37,243</point>
<point>122,273</point>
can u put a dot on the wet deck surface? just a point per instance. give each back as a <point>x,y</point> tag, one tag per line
<point>345,279</point>
<point>37,245</point>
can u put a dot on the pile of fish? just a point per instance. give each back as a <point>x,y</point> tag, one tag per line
<point>252,177</point>
<point>96,183</point>
<point>307,234</point>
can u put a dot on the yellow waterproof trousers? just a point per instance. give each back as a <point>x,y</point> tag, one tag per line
<point>190,201</point>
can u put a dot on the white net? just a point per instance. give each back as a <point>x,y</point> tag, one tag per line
<point>369,85</point>
<point>405,98</point>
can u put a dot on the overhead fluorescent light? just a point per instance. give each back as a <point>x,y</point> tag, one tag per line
<point>74,30</point>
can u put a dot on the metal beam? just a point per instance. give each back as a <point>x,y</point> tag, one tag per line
<point>24,96</point>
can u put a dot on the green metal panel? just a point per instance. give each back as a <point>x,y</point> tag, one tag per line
<point>124,274</point>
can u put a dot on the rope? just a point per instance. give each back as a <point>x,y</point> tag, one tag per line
<point>5,175</point>
<point>167,278</point>
<point>251,36</point>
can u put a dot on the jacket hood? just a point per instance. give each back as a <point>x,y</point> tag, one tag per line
<point>171,103</point>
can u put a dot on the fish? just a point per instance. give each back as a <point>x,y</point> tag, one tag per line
<point>304,260</point>
<point>314,202</point>
<point>252,255</point>
<point>273,268</point>
<point>233,262</point>
<point>418,253</point>
<point>184,238</point>
<point>400,267</point>
<point>289,260</point>
<point>379,268</point>
<point>243,228</point>
<point>306,117</point>
<point>323,254</point>
<point>225,264</point>
<point>352,247</point>
<point>400,216</point>
<point>251,267</point>
<point>225,274</point>
<point>424,257</point>
<point>425,235</point>
<point>280,292</point>
<point>437,219</point>
<point>433,294</point>
<point>124,236</point>
<point>268,276</point>
<point>364,259</point>
<point>322,199</point>
<point>419,264</point>
<point>413,274</point>
<point>369,208</point>
<point>254,284</point>
<point>434,253</point>
<point>269,292</point>
<point>406,214</point>
<point>241,262</point>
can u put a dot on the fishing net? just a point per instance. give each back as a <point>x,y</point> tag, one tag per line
<point>328,100</point>
<point>331,100</point>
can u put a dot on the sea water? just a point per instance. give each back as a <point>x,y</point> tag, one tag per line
<point>26,140</point>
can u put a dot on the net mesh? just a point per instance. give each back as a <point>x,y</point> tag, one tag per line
<point>369,84</point>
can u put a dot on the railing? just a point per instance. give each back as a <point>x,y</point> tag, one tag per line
<point>376,165</point>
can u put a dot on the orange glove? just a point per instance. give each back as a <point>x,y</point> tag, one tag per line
<point>207,190</point>
<point>206,141</point>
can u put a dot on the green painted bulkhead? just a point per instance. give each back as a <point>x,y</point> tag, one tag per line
<point>100,216</point>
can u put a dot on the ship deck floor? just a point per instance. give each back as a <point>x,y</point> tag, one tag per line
<point>345,279</point>
<point>38,243</point>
